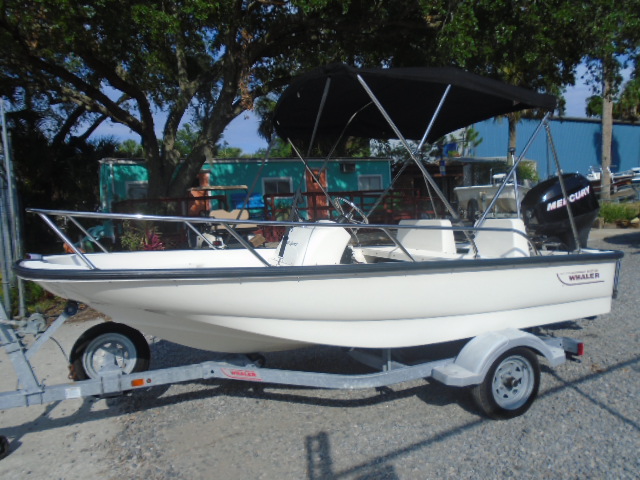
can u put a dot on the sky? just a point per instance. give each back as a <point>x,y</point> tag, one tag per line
<point>242,132</point>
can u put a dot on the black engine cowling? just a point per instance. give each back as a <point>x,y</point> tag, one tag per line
<point>545,210</point>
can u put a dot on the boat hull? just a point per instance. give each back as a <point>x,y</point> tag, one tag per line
<point>254,308</point>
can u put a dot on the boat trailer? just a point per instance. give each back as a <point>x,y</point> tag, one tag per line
<point>503,361</point>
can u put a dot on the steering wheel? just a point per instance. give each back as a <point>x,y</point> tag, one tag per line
<point>339,203</point>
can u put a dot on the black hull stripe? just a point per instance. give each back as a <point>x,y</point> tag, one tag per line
<point>386,268</point>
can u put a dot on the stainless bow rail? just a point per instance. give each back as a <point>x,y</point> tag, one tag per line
<point>231,225</point>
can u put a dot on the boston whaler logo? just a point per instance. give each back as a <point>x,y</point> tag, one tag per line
<point>241,374</point>
<point>580,278</point>
<point>572,198</point>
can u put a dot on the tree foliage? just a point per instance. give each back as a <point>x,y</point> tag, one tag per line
<point>612,39</point>
<point>626,106</point>
<point>127,60</point>
<point>529,44</point>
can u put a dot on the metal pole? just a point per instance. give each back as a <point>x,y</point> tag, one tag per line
<point>66,241</point>
<point>325,94</point>
<point>252,188</point>
<point>6,256</point>
<point>418,163</point>
<point>5,261</point>
<point>13,212</point>
<point>563,187</point>
<point>511,172</point>
<point>433,118</point>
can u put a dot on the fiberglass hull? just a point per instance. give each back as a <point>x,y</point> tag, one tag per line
<point>483,194</point>
<point>185,298</point>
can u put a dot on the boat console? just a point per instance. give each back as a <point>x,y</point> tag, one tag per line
<point>316,245</point>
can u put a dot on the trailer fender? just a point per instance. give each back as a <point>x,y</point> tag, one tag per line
<point>474,360</point>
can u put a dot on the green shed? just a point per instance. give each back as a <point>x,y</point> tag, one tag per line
<point>127,179</point>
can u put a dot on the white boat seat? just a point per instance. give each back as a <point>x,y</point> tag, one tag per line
<point>422,244</point>
<point>315,245</point>
<point>494,244</point>
<point>434,240</point>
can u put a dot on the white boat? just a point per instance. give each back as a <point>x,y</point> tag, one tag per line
<point>632,175</point>
<point>621,182</point>
<point>324,284</point>
<point>226,300</point>
<point>475,199</point>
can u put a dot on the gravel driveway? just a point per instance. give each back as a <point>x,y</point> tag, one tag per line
<point>585,423</point>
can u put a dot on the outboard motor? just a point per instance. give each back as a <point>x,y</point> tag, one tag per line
<point>545,210</point>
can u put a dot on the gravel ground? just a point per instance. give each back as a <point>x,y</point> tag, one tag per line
<point>585,423</point>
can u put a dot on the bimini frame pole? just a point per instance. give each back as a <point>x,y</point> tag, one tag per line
<point>323,100</point>
<point>433,118</point>
<point>563,187</point>
<point>417,150</point>
<point>513,169</point>
<point>265,161</point>
<point>422,168</point>
<point>335,145</point>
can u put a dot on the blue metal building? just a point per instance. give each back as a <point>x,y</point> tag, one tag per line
<point>578,143</point>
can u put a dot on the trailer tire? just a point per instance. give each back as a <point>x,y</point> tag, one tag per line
<point>4,447</point>
<point>127,346</point>
<point>510,386</point>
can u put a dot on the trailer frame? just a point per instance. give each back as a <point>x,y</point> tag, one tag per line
<point>468,367</point>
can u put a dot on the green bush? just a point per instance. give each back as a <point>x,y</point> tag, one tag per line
<point>35,297</point>
<point>613,212</point>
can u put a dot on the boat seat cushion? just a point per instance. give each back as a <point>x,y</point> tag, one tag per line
<point>422,239</point>
<point>315,245</point>
<point>507,244</point>
<point>421,244</point>
<point>236,214</point>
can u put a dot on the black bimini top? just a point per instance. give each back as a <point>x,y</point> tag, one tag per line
<point>409,95</point>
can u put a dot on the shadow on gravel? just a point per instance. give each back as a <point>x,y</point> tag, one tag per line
<point>631,239</point>
<point>318,447</point>
<point>431,393</point>
<point>315,359</point>
<point>44,422</point>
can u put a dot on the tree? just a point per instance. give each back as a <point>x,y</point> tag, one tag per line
<point>130,148</point>
<point>213,58</point>
<point>59,175</point>
<point>612,37</point>
<point>528,44</point>
<point>279,149</point>
<point>626,107</point>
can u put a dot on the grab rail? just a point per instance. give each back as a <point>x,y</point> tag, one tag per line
<point>230,225</point>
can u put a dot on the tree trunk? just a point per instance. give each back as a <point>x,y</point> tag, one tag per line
<point>607,132</point>
<point>513,123</point>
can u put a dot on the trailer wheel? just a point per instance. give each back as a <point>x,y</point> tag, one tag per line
<point>107,346</point>
<point>510,386</point>
<point>4,447</point>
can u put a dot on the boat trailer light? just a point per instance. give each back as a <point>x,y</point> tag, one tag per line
<point>140,382</point>
<point>572,347</point>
